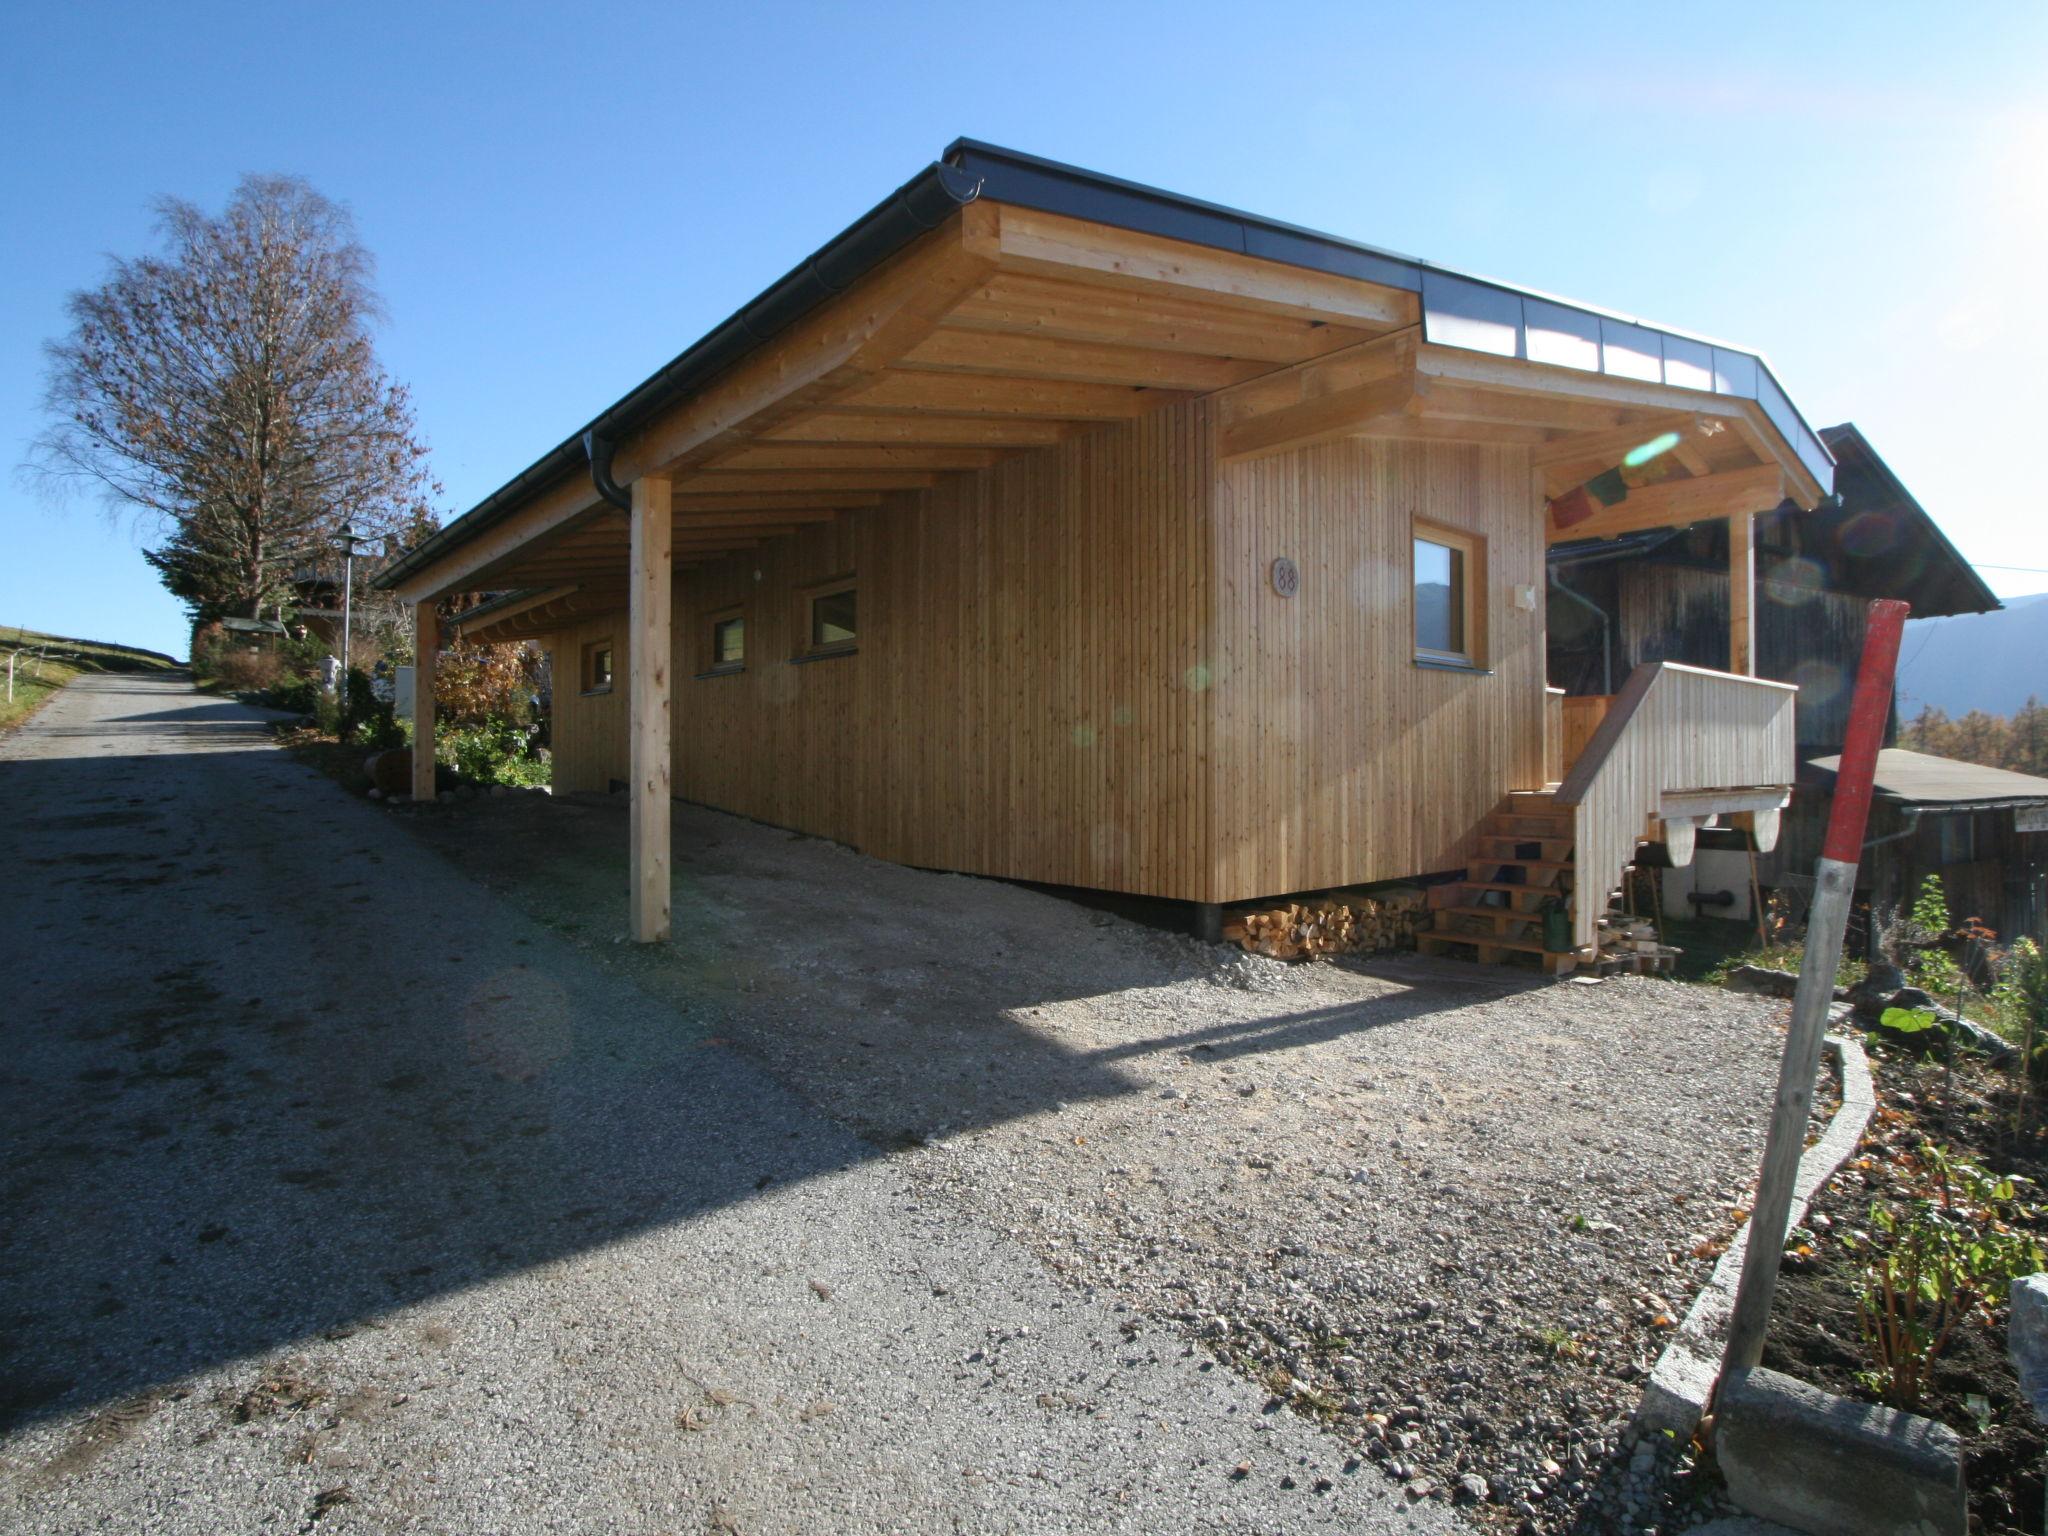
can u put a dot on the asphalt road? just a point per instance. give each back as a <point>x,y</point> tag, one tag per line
<point>339,1195</point>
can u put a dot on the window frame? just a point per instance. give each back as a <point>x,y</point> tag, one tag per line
<point>1471,594</point>
<point>592,649</point>
<point>809,649</point>
<point>712,624</point>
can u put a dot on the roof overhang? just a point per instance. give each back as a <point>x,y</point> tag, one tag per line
<point>997,302</point>
<point>1921,783</point>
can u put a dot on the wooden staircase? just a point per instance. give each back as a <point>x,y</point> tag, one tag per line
<point>1522,860</point>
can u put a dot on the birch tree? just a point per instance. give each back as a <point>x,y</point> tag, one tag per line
<point>227,391</point>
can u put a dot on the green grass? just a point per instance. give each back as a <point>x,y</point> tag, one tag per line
<point>1714,947</point>
<point>48,662</point>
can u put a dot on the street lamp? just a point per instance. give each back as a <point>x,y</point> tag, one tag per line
<point>346,541</point>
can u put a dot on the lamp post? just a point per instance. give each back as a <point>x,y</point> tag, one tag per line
<point>346,541</point>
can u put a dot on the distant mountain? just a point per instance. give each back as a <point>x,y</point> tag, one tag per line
<point>1987,661</point>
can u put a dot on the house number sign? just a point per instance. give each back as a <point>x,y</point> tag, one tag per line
<point>1286,577</point>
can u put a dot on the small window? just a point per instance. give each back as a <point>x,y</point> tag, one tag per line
<point>597,667</point>
<point>835,619</point>
<point>1448,580</point>
<point>729,642</point>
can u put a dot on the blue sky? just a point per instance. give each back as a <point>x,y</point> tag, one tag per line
<point>560,198</point>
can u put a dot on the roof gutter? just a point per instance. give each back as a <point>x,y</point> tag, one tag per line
<point>921,204</point>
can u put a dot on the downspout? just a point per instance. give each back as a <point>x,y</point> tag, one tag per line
<point>598,449</point>
<point>1606,628</point>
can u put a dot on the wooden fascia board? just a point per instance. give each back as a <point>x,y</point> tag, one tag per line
<point>1675,503</point>
<point>1510,374</point>
<point>1055,245</point>
<point>829,355</point>
<point>468,567</point>
<point>513,610</point>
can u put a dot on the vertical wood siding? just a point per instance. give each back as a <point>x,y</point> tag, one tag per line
<point>1073,668</point>
<point>1339,760</point>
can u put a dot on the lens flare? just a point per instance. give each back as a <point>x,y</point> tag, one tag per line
<point>1656,447</point>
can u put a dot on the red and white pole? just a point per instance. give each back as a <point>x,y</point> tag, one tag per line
<point>1834,888</point>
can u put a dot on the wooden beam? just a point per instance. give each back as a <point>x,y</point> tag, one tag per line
<point>930,460</point>
<point>1745,416</point>
<point>426,652</point>
<point>971,395</point>
<point>1406,427</point>
<point>1603,450</point>
<point>1053,245</point>
<point>954,351</point>
<point>1017,304</point>
<point>1741,593</point>
<point>820,485</point>
<point>837,351</point>
<point>776,501</point>
<point>1556,413</point>
<point>1324,398</point>
<point>510,611</point>
<point>1675,503</point>
<point>468,567</point>
<point>647,687</point>
<point>838,425</point>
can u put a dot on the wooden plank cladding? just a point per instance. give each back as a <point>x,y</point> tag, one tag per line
<point>1025,693</point>
<point>1072,666</point>
<point>1339,758</point>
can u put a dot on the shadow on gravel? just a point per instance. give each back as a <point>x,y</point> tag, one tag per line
<point>269,1068</point>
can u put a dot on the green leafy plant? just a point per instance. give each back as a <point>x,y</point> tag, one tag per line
<point>1908,1021</point>
<point>1949,1253</point>
<point>496,751</point>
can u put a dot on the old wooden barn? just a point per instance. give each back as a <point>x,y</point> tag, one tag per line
<point>1046,526</point>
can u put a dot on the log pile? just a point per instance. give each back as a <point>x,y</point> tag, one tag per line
<point>1331,925</point>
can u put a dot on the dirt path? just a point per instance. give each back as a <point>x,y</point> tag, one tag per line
<point>340,1191</point>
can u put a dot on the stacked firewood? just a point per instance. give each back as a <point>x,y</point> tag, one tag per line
<point>1331,925</point>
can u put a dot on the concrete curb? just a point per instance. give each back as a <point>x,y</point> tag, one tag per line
<point>1677,1392</point>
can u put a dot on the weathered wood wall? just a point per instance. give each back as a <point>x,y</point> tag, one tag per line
<point>1073,668</point>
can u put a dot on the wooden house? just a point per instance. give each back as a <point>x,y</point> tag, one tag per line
<point>1663,595</point>
<point>1046,526</point>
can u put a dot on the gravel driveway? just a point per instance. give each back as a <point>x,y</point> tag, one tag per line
<point>1448,1211</point>
<point>342,1193</point>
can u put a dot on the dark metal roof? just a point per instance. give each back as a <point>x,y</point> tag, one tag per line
<point>1459,309</point>
<point>1941,783</point>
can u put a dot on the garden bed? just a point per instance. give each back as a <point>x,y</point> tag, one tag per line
<point>1816,1333</point>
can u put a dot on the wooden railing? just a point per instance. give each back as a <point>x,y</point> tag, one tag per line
<point>1581,718</point>
<point>1554,763</point>
<point>1671,729</point>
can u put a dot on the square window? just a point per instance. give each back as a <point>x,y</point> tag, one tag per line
<point>1448,586</point>
<point>834,619</point>
<point>597,667</point>
<point>729,642</point>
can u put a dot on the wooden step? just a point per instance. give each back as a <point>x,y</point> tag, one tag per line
<point>1495,912</point>
<point>1495,861</point>
<point>1503,885</point>
<point>1488,944</point>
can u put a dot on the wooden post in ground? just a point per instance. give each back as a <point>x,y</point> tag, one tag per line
<point>1825,926</point>
<point>426,652</point>
<point>647,686</point>
<point>1742,594</point>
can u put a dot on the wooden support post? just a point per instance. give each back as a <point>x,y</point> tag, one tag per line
<point>1826,925</point>
<point>647,687</point>
<point>426,649</point>
<point>1742,594</point>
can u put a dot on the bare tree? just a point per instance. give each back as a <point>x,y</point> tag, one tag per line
<point>227,390</point>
